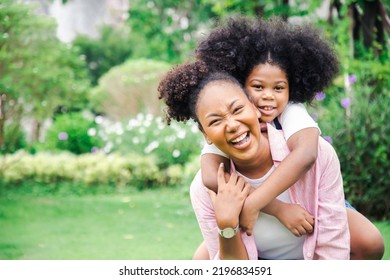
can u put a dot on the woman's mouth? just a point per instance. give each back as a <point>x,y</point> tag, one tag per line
<point>241,140</point>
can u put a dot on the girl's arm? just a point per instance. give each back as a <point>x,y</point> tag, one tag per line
<point>293,216</point>
<point>303,146</point>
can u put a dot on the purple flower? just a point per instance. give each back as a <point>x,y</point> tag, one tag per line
<point>63,136</point>
<point>328,139</point>
<point>352,79</point>
<point>320,96</point>
<point>314,116</point>
<point>94,150</point>
<point>346,102</point>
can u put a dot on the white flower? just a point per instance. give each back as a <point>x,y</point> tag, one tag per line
<point>176,153</point>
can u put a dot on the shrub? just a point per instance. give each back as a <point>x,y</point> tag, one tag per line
<point>15,138</point>
<point>89,171</point>
<point>356,122</point>
<point>73,132</point>
<point>129,88</point>
<point>146,135</point>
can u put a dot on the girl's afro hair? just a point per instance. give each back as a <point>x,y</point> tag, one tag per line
<point>240,43</point>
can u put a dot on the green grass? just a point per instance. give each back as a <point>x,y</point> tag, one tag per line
<point>384,228</point>
<point>147,225</point>
<point>157,224</point>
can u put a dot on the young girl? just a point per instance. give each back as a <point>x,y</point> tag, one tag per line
<point>281,66</point>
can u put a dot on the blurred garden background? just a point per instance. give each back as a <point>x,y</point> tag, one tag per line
<point>88,167</point>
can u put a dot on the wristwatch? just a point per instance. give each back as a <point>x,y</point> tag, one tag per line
<point>228,232</point>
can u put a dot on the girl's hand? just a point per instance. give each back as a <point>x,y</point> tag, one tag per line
<point>229,200</point>
<point>295,218</point>
<point>249,215</point>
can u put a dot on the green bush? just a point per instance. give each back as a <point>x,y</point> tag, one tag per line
<point>129,88</point>
<point>146,135</point>
<point>15,138</point>
<point>88,171</point>
<point>356,122</point>
<point>73,132</point>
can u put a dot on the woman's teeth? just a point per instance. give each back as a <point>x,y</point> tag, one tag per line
<point>240,138</point>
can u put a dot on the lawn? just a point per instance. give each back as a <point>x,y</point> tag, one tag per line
<point>148,225</point>
<point>136,226</point>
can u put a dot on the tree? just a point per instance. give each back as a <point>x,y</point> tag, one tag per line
<point>167,30</point>
<point>111,49</point>
<point>129,88</point>
<point>369,24</point>
<point>37,72</point>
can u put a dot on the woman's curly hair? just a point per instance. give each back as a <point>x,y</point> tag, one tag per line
<point>181,86</point>
<point>241,43</point>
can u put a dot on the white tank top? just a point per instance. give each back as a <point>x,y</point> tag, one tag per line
<point>273,240</point>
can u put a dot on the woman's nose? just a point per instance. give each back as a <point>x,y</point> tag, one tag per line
<point>232,124</point>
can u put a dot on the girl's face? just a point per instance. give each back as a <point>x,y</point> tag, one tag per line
<point>229,120</point>
<point>267,85</point>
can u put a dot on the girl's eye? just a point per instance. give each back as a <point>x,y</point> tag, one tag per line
<point>258,86</point>
<point>278,88</point>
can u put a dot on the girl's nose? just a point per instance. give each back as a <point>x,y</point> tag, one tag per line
<point>267,94</point>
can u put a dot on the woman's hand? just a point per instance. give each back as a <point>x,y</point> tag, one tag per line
<point>229,200</point>
<point>295,218</point>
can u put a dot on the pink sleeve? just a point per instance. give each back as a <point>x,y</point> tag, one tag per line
<point>333,233</point>
<point>204,213</point>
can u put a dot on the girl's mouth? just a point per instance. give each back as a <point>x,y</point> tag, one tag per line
<point>266,110</point>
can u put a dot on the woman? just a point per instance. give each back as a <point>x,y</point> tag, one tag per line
<point>226,117</point>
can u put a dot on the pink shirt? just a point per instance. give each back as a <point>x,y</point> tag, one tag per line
<point>319,191</point>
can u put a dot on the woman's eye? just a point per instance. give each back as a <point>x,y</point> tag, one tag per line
<point>213,122</point>
<point>258,86</point>
<point>278,88</point>
<point>238,109</point>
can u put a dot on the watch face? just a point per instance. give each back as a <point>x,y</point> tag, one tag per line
<point>228,232</point>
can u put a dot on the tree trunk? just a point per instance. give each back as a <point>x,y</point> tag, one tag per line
<point>36,131</point>
<point>2,119</point>
<point>374,23</point>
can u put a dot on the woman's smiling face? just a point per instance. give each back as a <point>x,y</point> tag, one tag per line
<point>229,120</point>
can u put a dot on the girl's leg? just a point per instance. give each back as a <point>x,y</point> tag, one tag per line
<point>201,253</point>
<point>366,240</point>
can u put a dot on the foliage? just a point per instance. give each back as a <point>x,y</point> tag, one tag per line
<point>356,120</point>
<point>75,132</point>
<point>264,8</point>
<point>112,48</point>
<point>167,30</point>
<point>83,173</point>
<point>146,135</point>
<point>37,72</point>
<point>16,138</point>
<point>352,114</point>
<point>129,88</point>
